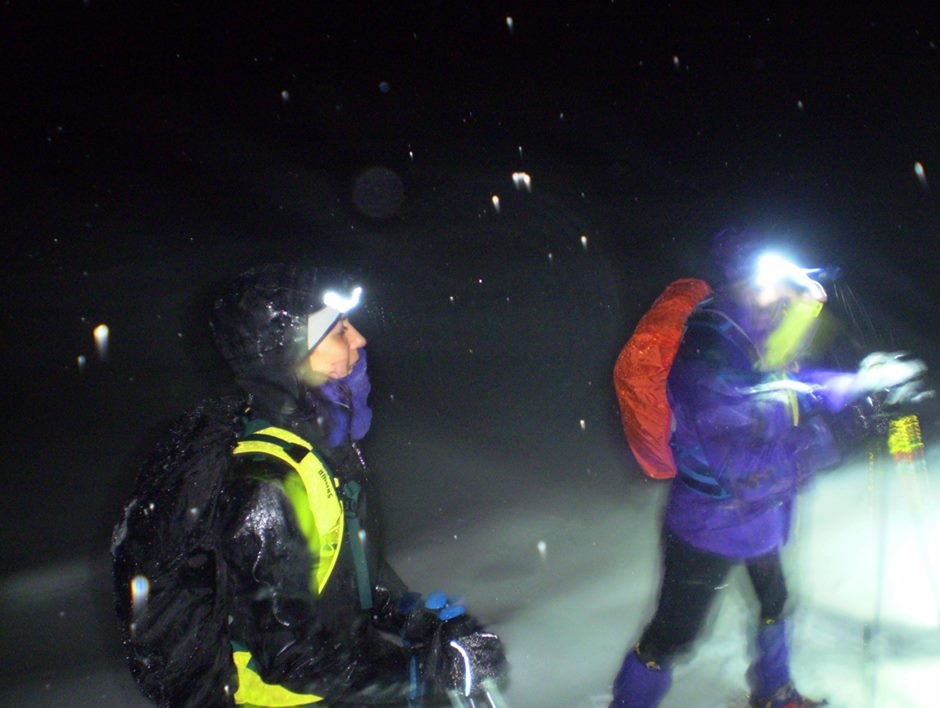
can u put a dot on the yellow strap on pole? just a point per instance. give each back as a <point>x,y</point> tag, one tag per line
<point>904,438</point>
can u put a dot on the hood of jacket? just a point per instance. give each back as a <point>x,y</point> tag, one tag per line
<point>260,326</point>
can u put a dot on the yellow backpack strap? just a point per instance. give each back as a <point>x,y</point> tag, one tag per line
<point>255,691</point>
<point>324,512</point>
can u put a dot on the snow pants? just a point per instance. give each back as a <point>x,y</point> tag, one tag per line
<point>691,580</point>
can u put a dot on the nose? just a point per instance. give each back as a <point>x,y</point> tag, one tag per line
<point>354,337</point>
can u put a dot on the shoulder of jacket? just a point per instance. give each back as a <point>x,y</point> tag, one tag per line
<point>710,318</point>
<point>258,468</point>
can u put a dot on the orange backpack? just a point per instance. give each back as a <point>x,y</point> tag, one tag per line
<point>641,372</point>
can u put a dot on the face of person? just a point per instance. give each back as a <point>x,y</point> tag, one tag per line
<point>790,291</point>
<point>336,354</point>
<point>768,304</point>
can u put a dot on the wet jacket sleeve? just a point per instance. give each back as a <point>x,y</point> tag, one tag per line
<point>294,637</point>
<point>747,439</point>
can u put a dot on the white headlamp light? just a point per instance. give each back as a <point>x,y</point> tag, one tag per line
<point>341,303</point>
<point>319,323</point>
<point>772,269</point>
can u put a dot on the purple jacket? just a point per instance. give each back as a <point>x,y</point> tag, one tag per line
<point>742,453</point>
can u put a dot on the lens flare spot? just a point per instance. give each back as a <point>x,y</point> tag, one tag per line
<point>379,193</point>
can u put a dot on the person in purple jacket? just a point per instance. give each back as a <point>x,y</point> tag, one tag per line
<point>750,430</point>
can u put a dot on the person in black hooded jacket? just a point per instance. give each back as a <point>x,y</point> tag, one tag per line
<point>314,613</point>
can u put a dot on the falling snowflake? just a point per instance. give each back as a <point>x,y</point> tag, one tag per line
<point>102,335</point>
<point>921,174</point>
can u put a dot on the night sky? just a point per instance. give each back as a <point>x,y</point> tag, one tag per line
<point>150,149</point>
<point>809,120</point>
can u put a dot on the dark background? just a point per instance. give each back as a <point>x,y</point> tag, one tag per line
<point>150,150</point>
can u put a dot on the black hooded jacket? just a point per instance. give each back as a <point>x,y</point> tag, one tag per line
<point>327,644</point>
<point>211,558</point>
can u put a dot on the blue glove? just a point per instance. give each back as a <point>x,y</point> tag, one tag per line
<point>422,619</point>
<point>443,606</point>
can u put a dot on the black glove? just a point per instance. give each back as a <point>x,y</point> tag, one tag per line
<point>391,611</point>
<point>451,650</point>
<point>864,419</point>
<point>468,657</point>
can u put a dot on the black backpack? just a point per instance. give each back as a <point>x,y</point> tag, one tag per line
<point>169,573</point>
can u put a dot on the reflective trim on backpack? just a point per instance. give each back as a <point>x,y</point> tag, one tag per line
<point>325,507</point>
<point>255,691</point>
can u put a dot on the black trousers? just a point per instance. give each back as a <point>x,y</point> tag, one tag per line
<point>691,579</point>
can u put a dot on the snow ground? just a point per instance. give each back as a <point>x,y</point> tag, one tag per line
<point>569,616</point>
<point>568,612</point>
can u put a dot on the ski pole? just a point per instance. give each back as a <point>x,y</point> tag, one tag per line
<point>492,697</point>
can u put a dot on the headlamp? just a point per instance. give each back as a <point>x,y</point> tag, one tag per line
<point>340,303</point>
<point>773,270</point>
<point>336,305</point>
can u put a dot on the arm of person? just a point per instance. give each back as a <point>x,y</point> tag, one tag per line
<point>892,372</point>
<point>751,436</point>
